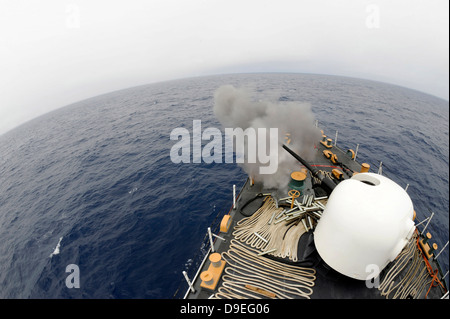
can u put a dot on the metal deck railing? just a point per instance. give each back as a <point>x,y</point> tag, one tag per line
<point>190,275</point>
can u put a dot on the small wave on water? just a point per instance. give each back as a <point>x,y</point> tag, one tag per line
<point>56,251</point>
<point>133,190</point>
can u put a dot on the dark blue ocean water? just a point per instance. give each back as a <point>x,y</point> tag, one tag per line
<point>98,174</point>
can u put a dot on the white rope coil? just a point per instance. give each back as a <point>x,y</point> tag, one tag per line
<point>260,231</point>
<point>413,282</point>
<point>268,278</point>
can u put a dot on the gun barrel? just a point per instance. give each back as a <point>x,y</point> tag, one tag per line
<point>301,160</point>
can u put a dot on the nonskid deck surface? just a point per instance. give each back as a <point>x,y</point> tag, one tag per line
<point>302,274</point>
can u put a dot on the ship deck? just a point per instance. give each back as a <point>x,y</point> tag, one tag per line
<point>327,283</point>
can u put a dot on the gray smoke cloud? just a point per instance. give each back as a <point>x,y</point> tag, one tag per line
<point>235,108</point>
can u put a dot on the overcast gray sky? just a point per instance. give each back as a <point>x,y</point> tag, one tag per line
<point>56,52</point>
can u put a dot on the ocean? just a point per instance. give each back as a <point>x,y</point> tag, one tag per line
<point>91,205</point>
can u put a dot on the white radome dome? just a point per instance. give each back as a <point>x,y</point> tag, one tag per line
<point>367,221</point>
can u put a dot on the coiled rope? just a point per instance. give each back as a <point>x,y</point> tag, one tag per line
<point>413,282</point>
<point>280,239</point>
<point>324,173</point>
<point>248,275</point>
